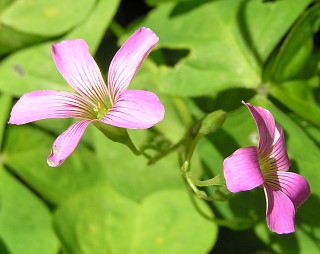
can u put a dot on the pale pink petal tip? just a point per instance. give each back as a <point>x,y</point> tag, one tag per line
<point>65,144</point>
<point>242,170</point>
<point>128,60</point>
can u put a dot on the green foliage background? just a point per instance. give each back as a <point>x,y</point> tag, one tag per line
<point>211,55</point>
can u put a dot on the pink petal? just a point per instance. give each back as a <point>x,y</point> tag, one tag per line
<point>266,128</point>
<point>293,185</point>
<point>128,60</point>
<point>242,170</point>
<point>135,109</point>
<point>45,104</point>
<point>279,159</point>
<point>65,144</point>
<point>280,211</point>
<point>79,69</point>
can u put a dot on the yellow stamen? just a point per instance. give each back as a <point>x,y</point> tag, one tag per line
<point>100,110</point>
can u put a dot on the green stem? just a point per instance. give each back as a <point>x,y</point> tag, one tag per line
<point>156,158</point>
<point>192,146</point>
<point>217,180</point>
<point>183,111</point>
<point>194,183</point>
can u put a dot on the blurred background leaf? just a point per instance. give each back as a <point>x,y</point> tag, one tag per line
<point>163,222</point>
<point>26,223</point>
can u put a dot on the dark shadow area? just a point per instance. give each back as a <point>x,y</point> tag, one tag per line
<point>172,56</point>
<point>309,212</point>
<point>245,31</point>
<point>184,7</point>
<point>227,100</point>
<point>287,242</point>
<point>224,142</point>
<point>131,10</point>
<point>3,248</point>
<point>246,241</point>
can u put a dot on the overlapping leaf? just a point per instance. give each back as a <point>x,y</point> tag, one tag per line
<point>33,68</point>
<point>228,41</point>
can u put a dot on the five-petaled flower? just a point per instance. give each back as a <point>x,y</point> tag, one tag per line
<point>94,101</point>
<point>266,166</point>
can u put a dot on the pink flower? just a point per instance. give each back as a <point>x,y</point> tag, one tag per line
<point>94,101</point>
<point>266,166</point>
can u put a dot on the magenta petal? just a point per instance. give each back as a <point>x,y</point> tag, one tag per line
<point>280,211</point>
<point>135,109</point>
<point>279,157</point>
<point>293,185</point>
<point>65,144</point>
<point>45,104</point>
<point>79,69</point>
<point>128,60</point>
<point>242,171</point>
<point>266,128</point>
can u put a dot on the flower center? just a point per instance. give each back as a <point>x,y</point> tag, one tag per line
<point>265,167</point>
<point>100,110</point>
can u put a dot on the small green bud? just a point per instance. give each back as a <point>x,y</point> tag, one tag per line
<point>212,122</point>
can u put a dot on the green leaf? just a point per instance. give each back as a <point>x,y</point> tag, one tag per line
<point>5,3</point>
<point>48,18</point>
<point>298,95</point>
<point>25,222</point>
<point>22,73</point>
<point>21,69</point>
<point>11,40</point>
<point>304,240</point>
<point>228,41</point>
<point>292,71</point>
<point>295,57</point>
<point>5,106</point>
<point>131,175</point>
<point>25,152</point>
<point>100,220</point>
<point>93,29</point>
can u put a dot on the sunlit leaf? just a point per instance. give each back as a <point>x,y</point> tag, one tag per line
<point>163,222</point>
<point>131,175</point>
<point>33,68</point>
<point>25,152</point>
<point>49,18</point>
<point>5,106</point>
<point>25,221</point>
<point>228,41</point>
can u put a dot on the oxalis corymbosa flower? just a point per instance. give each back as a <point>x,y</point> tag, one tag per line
<point>94,102</point>
<point>266,166</point>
